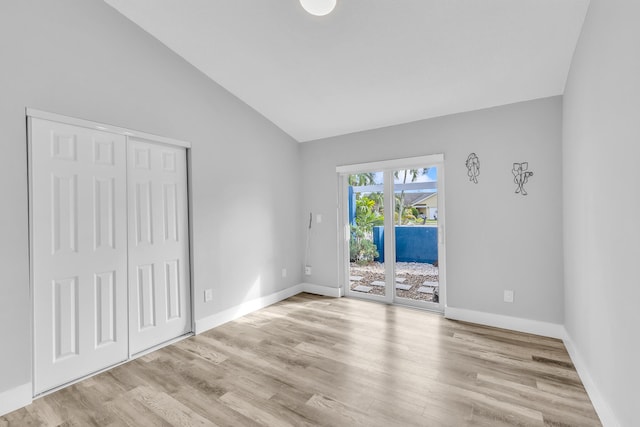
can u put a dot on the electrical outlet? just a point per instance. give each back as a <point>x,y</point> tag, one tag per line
<point>318,218</point>
<point>307,270</point>
<point>284,272</point>
<point>508,295</point>
<point>208,295</point>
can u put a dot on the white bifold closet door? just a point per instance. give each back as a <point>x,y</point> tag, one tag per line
<point>79,250</point>
<point>110,249</point>
<point>159,292</point>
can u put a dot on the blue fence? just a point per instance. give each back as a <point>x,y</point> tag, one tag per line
<point>413,243</point>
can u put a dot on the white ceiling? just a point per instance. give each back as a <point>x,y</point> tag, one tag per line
<point>370,63</point>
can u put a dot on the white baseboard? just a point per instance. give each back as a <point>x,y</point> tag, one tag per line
<point>321,290</point>
<point>607,417</point>
<point>21,396</point>
<point>246,307</point>
<point>15,398</point>
<point>546,329</point>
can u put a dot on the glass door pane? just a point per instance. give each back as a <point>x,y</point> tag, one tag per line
<point>366,212</point>
<point>416,278</point>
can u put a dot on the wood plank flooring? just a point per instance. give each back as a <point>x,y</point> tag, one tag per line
<point>311,360</point>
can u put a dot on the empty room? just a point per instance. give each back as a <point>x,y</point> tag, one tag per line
<point>320,212</point>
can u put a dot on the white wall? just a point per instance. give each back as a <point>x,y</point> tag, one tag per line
<point>496,239</point>
<point>601,150</point>
<point>83,59</point>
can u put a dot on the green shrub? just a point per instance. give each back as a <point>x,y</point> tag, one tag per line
<point>361,248</point>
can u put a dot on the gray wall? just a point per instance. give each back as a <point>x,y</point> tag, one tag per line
<point>496,239</point>
<point>83,59</point>
<point>601,151</point>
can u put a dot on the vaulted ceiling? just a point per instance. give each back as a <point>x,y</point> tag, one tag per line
<point>370,63</point>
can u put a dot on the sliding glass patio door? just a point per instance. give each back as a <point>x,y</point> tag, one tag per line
<point>393,231</point>
<point>366,272</point>
<point>415,230</point>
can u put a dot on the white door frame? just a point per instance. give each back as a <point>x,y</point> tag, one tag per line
<point>128,133</point>
<point>388,167</point>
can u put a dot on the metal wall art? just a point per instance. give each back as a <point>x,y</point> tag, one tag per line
<point>473,167</point>
<point>521,174</point>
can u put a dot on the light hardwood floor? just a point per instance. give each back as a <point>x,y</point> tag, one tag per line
<point>312,360</point>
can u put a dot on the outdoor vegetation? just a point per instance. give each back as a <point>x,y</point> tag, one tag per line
<point>401,217</point>
<point>369,213</point>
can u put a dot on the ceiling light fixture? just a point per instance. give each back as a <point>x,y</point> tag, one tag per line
<point>318,7</point>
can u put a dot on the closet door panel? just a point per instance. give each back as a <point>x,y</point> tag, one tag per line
<point>159,291</point>
<point>79,237</point>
